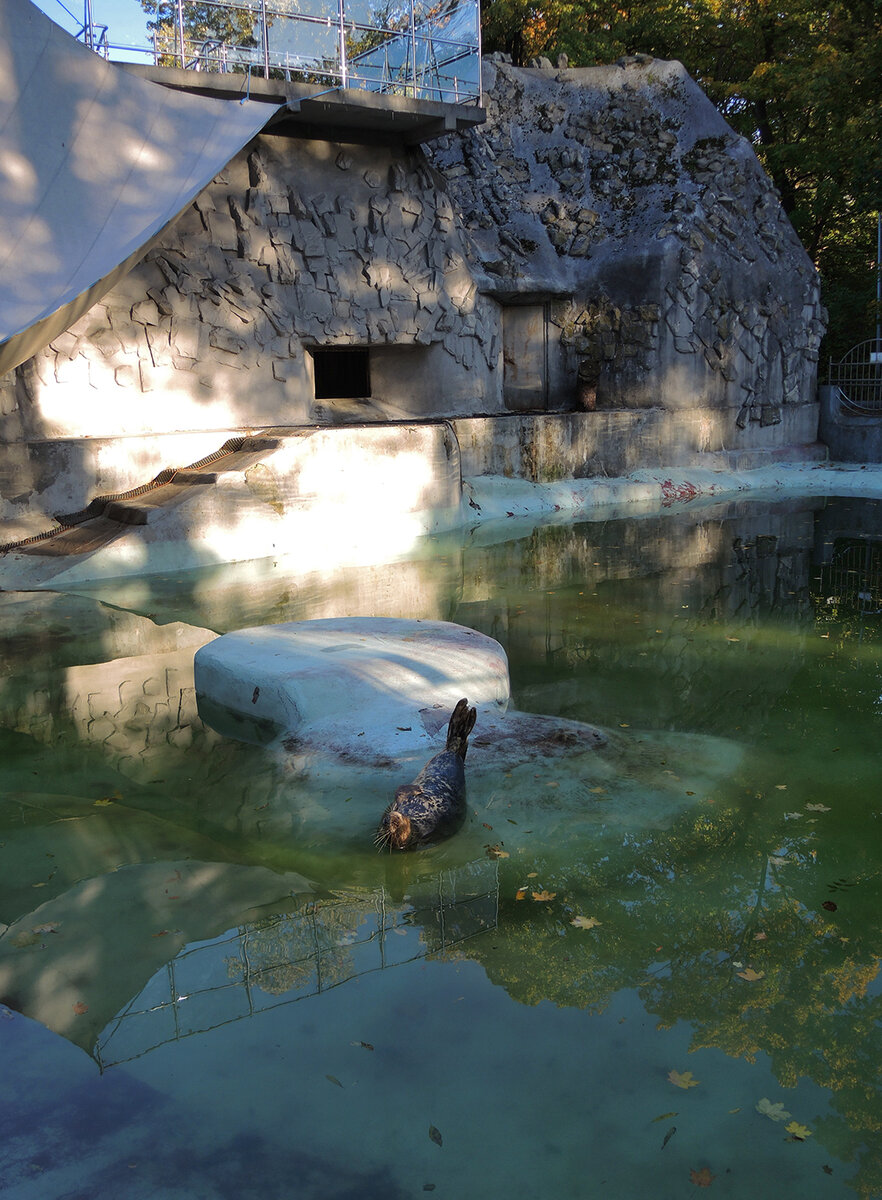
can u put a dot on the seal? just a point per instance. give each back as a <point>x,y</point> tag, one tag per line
<point>433,807</point>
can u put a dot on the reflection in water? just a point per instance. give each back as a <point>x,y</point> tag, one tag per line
<point>719,864</point>
<point>278,960</point>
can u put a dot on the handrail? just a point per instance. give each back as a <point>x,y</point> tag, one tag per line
<point>405,54</point>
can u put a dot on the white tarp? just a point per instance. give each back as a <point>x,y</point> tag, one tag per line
<point>94,163</point>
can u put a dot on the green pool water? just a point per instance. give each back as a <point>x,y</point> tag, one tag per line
<point>634,972</point>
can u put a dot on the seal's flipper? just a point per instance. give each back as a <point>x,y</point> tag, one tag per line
<point>462,722</point>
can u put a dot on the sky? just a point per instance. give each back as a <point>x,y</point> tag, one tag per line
<point>125,19</point>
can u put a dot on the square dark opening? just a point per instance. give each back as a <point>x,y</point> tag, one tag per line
<point>341,374</point>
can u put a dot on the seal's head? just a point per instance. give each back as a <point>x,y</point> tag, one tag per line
<point>400,829</point>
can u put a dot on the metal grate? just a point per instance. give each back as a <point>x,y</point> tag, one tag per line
<point>858,378</point>
<point>852,580</point>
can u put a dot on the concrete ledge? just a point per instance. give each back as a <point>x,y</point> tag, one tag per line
<point>339,113</point>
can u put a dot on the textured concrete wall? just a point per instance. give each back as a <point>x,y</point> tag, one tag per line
<point>672,274</point>
<point>850,436</point>
<point>604,247</point>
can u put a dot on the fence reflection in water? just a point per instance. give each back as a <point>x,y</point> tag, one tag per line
<point>281,959</point>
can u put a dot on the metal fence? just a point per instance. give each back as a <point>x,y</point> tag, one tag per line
<point>858,378</point>
<point>409,47</point>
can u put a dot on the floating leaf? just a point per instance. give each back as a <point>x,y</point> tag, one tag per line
<point>663,1117</point>
<point>799,1131</point>
<point>775,1112</point>
<point>780,787</point>
<point>521,894</point>
<point>817,808</point>
<point>435,1135</point>
<point>543,895</point>
<point>80,1007</point>
<point>829,905</point>
<point>333,1079</point>
<point>598,791</point>
<point>364,1045</point>
<point>585,922</point>
<point>532,874</point>
<point>750,975</point>
<point>702,1178</point>
<point>102,803</point>
<point>683,1081</point>
<point>486,826</point>
<point>496,852</point>
<point>668,1136</point>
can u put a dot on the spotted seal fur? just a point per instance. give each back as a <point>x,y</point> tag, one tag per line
<point>433,807</point>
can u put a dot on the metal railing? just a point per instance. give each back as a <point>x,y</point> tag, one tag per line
<point>399,47</point>
<point>858,378</point>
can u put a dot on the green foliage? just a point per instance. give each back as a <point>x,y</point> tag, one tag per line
<point>799,81</point>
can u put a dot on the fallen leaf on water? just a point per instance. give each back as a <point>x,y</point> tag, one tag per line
<point>624,725</point>
<point>668,1136</point>
<point>759,937</point>
<point>817,807</point>
<point>780,787</point>
<point>663,1117</point>
<point>775,1112</point>
<point>750,975</point>
<point>552,783</point>
<point>829,905</point>
<point>435,1135</point>
<point>799,1131</point>
<point>365,1045</point>
<point>486,826</point>
<point>683,1081</point>
<point>733,639</point>
<point>702,1178</point>
<point>543,895</point>
<point>103,802</point>
<point>80,1007</point>
<point>496,852</point>
<point>690,793</point>
<point>585,922</point>
<point>521,894</point>
<point>532,874</point>
<point>597,791</point>
<point>333,1079</point>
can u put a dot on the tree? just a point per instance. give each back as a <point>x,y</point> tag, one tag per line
<point>202,22</point>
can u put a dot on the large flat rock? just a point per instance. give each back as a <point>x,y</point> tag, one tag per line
<point>375,691</point>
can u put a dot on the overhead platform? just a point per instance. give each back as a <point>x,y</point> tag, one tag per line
<point>94,163</point>
<point>309,110</point>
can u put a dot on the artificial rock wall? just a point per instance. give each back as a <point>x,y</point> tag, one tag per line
<point>604,244</point>
<point>671,273</point>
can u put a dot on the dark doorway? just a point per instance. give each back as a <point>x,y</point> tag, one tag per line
<point>341,374</point>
